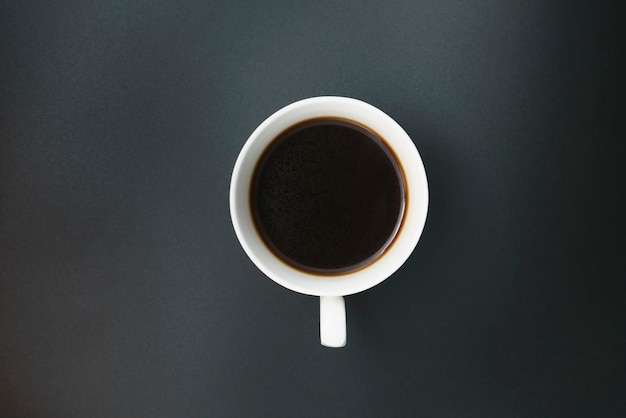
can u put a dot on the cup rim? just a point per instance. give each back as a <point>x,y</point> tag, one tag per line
<point>416,202</point>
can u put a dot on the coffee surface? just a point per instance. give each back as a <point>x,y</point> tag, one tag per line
<point>327,196</point>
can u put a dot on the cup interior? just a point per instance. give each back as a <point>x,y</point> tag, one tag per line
<point>416,203</point>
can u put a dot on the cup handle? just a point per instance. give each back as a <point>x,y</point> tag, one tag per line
<point>332,321</point>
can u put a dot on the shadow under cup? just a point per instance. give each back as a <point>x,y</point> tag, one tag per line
<point>370,206</point>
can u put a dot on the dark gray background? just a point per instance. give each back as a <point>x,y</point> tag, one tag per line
<point>123,289</point>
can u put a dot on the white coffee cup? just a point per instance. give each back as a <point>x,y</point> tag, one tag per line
<point>332,289</point>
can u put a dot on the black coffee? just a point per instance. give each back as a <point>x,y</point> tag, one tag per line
<point>327,196</point>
